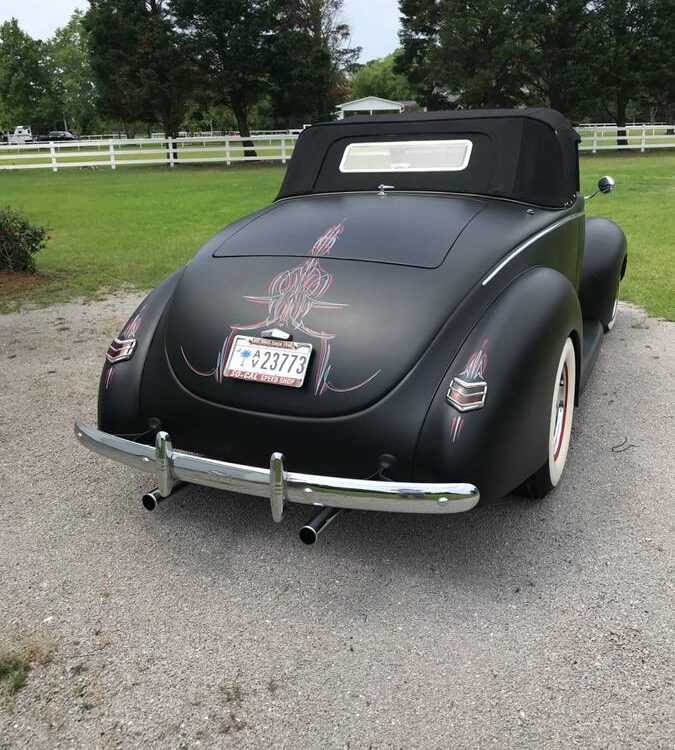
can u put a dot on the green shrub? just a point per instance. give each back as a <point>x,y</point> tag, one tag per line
<point>19,241</point>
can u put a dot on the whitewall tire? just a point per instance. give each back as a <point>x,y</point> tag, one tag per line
<point>560,425</point>
<point>615,310</point>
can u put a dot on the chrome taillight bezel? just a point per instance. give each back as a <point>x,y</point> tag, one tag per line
<point>120,350</point>
<point>467,395</point>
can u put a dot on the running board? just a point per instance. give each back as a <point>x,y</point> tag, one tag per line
<point>593,336</point>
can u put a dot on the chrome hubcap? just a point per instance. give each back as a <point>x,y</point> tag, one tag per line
<point>561,413</point>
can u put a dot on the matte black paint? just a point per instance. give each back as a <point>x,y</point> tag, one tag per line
<point>410,267</point>
<point>506,441</point>
<point>604,264</point>
<point>593,333</point>
<point>393,311</point>
<point>119,407</point>
<point>410,229</point>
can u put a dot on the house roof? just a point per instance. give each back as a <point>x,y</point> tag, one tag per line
<point>370,101</point>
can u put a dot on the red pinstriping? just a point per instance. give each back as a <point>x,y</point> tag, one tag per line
<point>194,369</point>
<point>476,365</point>
<point>291,296</point>
<point>475,369</point>
<point>131,328</point>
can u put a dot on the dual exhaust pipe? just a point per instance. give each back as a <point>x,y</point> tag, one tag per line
<point>154,498</point>
<point>309,533</point>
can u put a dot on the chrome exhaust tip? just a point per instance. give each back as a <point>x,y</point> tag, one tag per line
<point>152,499</point>
<point>309,533</point>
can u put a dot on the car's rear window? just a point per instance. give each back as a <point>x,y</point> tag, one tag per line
<point>406,156</point>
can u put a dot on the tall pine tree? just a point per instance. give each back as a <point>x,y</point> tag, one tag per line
<point>141,63</point>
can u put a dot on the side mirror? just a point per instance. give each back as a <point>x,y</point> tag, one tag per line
<point>606,185</point>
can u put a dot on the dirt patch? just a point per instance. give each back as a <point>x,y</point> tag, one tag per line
<point>17,660</point>
<point>13,283</point>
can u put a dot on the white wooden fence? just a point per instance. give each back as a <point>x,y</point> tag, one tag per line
<point>116,152</point>
<point>605,136</point>
<point>229,149</point>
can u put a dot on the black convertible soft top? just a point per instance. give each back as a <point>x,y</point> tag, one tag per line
<point>528,155</point>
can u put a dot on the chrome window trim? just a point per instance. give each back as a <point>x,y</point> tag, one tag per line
<point>468,148</point>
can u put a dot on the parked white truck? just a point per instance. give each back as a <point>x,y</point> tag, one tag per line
<point>20,135</point>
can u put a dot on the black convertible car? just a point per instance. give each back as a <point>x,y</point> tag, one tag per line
<point>408,327</point>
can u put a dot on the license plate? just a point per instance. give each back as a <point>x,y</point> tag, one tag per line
<point>268,361</point>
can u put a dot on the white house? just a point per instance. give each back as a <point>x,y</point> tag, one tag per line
<point>369,105</point>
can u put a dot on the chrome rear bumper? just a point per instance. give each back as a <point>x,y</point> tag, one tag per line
<point>280,486</point>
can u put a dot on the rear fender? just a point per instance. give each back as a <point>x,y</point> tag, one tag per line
<point>515,349</point>
<point>603,267</point>
<point>120,384</point>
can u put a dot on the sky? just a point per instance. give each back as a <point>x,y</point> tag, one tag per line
<point>374,23</point>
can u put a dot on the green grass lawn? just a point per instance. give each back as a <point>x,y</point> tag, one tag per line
<point>643,205</point>
<point>131,227</point>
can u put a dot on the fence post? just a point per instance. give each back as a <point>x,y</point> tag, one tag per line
<point>283,150</point>
<point>595,139</point>
<point>52,151</point>
<point>111,148</point>
<point>228,155</point>
<point>169,145</point>
<point>643,140</point>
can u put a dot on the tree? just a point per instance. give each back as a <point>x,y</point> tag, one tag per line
<point>617,77</point>
<point>419,35</point>
<point>484,45</point>
<point>310,58</point>
<point>561,58</point>
<point>634,56</point>
<point>301,78</point>
<point>659,62</point>
<point>231,42</point>
<point>72,84</point>
<point>141,64</point>
<point>474,54</point>
<point>24,82</point>
<point>324,21</point>
<point>379,78</point>
<point>574,55</point>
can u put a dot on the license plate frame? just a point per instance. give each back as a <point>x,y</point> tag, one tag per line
<point>254,372</point>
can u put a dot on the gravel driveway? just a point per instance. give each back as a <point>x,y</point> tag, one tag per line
<point>520,625</point>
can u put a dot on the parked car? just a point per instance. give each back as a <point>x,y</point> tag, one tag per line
<point>408,327</point>
<point>57,135</point>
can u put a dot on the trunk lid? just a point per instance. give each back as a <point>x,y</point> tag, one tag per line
<point>411,230</point>
<point>349,289</point>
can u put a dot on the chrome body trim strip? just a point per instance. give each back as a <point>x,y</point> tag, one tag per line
<point>515,253</point>
<point>275,483</point>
